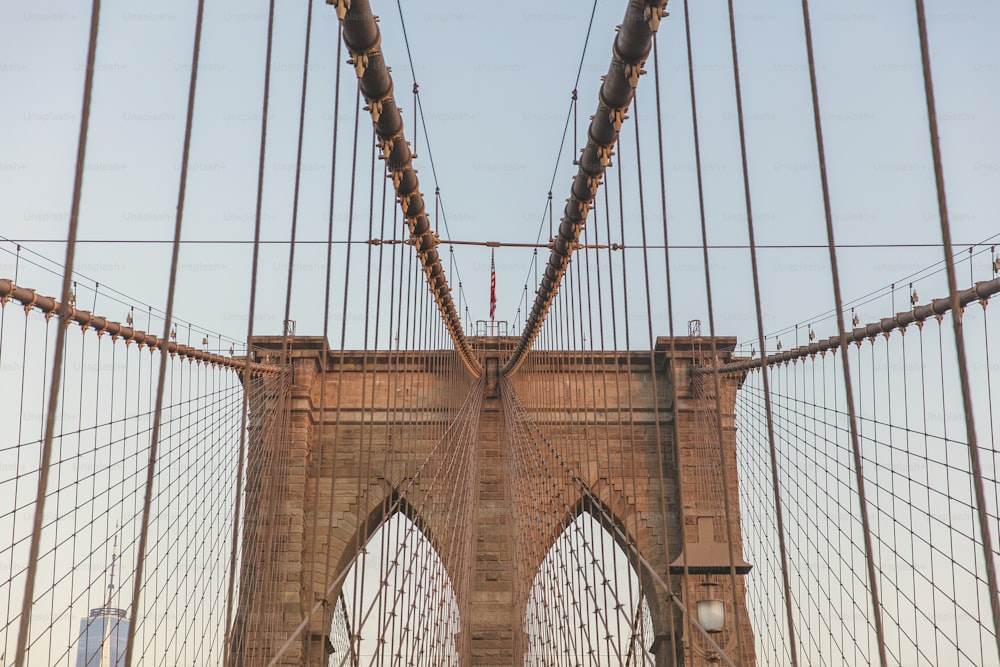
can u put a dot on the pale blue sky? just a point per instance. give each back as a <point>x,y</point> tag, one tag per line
<point>495,81</point>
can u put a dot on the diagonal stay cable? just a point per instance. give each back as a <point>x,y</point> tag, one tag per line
<point>981,293</point>
<point>514,404</point>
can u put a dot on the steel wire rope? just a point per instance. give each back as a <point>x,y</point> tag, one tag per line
<point>848,385</point>
<point>20,431</point>
<point>255,261</point>
<point>325,354</point>
<point>548,595</point>
<point>279,480</point>
<point>401,300</point>
<point>530,455</point>
<point>649,315</point>
<point>668,279</point>
<point>914,602</point>
<point>628,336</point>
<point>395,505</point>
<point>956,320</point>
<point>378,307</point>
<point>779,513</point>
<point>581,319</point>
<point>343,329</point>
<point>365,449</point>
<point>614,334</point>
<point>574,525</point>
<point>594,392</point>
<point>716,384</point>
<point>752,468</point>
<point>49,426</point>
<point>646,566</point>
<point>543,590</point>
<point>888,488</point>
<point>566,124</point>
<point>260,501</point>
<point>171,294</point>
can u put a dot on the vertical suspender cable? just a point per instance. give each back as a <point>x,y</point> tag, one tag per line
<point>671,346</point>
<point>715,369</point>
<point>164,356</point>
<point>652,342</point>
<point>249,351</point>
<point>298,179</point>
<point>325,363</point>
<point>64,311</point>
<point>956,320</point>
<point>779,513</point>
<point>848,388</point>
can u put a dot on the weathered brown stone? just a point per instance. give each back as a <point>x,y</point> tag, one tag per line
<point>638,428</point>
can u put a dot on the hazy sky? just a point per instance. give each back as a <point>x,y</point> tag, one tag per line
<point>495,82</point>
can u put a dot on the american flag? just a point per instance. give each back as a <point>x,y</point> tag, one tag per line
<point>493,287</point>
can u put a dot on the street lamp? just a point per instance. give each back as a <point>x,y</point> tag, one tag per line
<point>711,611</point>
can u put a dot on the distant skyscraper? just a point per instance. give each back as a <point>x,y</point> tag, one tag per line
<point>104,634</point>
<point>103,638</point>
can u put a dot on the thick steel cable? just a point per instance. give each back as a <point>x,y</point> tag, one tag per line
<point>254,264</point>
<point>631,45</point>
<point>46,453</point>
<point>295,189</point>
<point>779,511</point>
<point>848,386</point>
<point>171,293</point>
<point>88,321</point>
<point>718,430</point>
<point>363,39</point>
<point>956,320</point>
<point>649,320</point>
<point>981,292</point>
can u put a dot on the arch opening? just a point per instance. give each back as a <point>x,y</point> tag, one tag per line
<point>398,603</point>
<point>587,602</point>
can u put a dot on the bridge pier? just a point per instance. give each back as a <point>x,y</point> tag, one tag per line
<point>334,479</point>
<point>495,629</point>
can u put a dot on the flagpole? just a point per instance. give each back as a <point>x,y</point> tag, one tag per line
<point>493,286</point>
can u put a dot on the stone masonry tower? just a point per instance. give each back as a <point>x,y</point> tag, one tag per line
<point>655,409</point>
